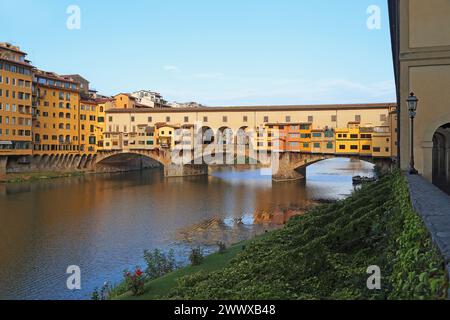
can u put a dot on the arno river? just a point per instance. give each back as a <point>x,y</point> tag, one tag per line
<point>103,223</point>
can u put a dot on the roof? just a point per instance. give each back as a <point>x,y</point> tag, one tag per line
<point>10,47</point>
<point>53,75</point>
<point>163,124</point>
<point>125,94</point>
<point>103,100</point>
<point>261,108</point>
<point>287,123</point>
<point>25,63</point>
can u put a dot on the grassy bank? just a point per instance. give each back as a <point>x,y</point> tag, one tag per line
<point>325,255</point>
<point>35,176</point>
<point>159,288</point>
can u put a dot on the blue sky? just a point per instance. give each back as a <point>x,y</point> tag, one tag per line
<point>217,52</point>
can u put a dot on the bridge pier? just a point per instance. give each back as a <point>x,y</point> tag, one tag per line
<point>179,170</point>
<point>286,170</point>
<point>292,165</point>
<point>3,163</point>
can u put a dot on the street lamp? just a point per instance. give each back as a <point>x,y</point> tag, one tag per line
<point>412,107</point>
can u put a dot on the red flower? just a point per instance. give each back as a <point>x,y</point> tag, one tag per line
<point>138,272</point>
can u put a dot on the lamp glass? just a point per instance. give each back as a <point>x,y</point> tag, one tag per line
<point>412,102</point>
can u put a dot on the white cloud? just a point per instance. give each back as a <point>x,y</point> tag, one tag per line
<point>171,68</point>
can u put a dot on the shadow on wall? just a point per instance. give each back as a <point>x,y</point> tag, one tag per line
<point>441,158</point>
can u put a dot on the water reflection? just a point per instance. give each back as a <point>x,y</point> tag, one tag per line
<point>103,223</point>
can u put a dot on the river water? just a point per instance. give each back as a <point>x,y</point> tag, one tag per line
<point>103,223</point>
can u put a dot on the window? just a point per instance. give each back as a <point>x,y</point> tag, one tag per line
<point>304,127</point>
<point>186,119</point>
<point>357,118</point>
<point>167,119</point>
<point>245,119</point>
<point>353,147</point>
<point>310,119</point>
<point>225,119</point>
<point>306,145</point>
<point>353,136</point>
<point>132,119</point>
<point>383,117</point>
<point>366,148</point>
<point>376,149</point>
<point>341,147</point>
<point>266,119</point>
<point>333,118</point>
<point>330,145</point>
<point>205,119</point>
<point>317,135</point>
<point>150,119</point>
<point>316,145</point>
<point>288,119</point>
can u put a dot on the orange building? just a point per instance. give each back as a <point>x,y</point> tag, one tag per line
<point>15,102</point>
<point>90,131</point>
<point>56,121</point>
<point>125,101</point>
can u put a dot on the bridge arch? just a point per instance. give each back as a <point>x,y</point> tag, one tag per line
<point>206,135</point>
<point>243,137</point>
<point>131,159</point>
<point>224,135</point>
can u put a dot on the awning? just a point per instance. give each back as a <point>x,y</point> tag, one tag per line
<point>6,143</point>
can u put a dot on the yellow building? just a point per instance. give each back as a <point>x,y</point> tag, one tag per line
<point>347,140</point>
<point>56,122</point>
<point>382,142</point>
<point>125,101</point>
<point>15,102</point>
<point>166,135</point>
<point>90,130</point>
<point>365,141</point>
<point>305,137</point>
<point>421,46</point>
<point>103,104</point>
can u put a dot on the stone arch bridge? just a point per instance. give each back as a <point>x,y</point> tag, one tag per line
<point>285,166</point>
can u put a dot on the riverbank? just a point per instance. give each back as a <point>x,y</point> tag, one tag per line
<point>325,254</point>
<point>158,288</point>
<point>36,176</point>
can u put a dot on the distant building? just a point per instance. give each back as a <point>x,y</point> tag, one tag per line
<point>186,105</point>
<point>125,101</point>
<point>149,99</point>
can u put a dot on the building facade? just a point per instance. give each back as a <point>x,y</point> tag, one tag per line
<point>324,129</point>
<point>56,114</point>
<point>15,102</point>
<point>421,49</point>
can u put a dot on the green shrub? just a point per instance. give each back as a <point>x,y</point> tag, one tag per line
<point>158,263</point>
<point>222,247</point>
<point>196,256</point>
